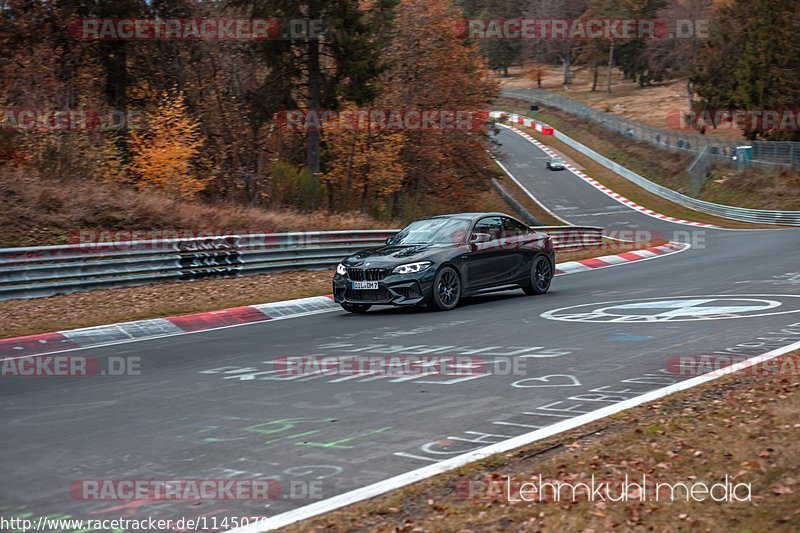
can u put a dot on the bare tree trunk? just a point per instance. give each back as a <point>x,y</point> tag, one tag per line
<point>595,75</point>
<point>349,179</point>
<point>314,135</point>
<point>610,66</point>
<point>566,60</point>
<point>364,196</point>
<point>689,84</point>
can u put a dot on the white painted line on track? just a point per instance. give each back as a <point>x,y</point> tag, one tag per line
<point>529,193</point>
<point>402,480</point>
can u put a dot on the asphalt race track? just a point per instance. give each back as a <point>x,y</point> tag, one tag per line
<point>209,405</point>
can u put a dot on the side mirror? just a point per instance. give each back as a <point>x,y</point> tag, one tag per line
<point>389,240</point>
<point>475,238</point>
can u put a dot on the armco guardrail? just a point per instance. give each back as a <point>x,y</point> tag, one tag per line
<point>766,155</point>
<point>49,270</point>
<point>741,214</point>
<point>574,237</point>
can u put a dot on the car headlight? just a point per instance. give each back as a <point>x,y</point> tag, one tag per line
<point>341,269</point>
<point>412,268</point>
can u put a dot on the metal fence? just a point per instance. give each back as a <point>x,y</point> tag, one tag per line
<point>49,270</point>
<point>699,170</point>
<point>765,155</point>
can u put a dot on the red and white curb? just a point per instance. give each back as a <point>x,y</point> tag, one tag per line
<point>76,339</point>
<point>96,336</point>
<point>608,192</point>
<point>571,267</point>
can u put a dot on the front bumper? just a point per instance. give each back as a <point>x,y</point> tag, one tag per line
<point>394,289</point>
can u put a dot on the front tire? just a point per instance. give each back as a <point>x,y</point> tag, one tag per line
<point>446,289</point>
<point>541,276</point>
<point>356,308</point>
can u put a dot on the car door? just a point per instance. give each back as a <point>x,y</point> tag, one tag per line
<point>517,242</point>
<point>489,262</point>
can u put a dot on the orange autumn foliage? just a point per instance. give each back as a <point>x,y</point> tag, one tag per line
<point>167,156</point>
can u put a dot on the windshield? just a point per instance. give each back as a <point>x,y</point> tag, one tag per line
<point>433,231</point>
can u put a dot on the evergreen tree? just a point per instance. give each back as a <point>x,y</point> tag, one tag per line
<point>752,60</point>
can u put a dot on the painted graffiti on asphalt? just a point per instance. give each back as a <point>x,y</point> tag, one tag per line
<point>678,309</point>
<point>584,402</point>
<point>341,362</point>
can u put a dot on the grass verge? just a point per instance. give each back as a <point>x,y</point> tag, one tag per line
<point>744,425</point>
<point>68,311</point>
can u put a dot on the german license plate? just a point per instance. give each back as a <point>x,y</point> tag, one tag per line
<point>365,285</point>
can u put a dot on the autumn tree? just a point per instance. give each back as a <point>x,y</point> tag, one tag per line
<point>536,73</point>
<point>365,165</point>
<point>166,156</point>
<point>317,70</point>
<point>429,67</point>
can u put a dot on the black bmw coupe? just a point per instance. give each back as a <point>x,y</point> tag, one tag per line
<point>438,260</point>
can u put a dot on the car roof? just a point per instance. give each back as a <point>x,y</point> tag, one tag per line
<point>469,216</point>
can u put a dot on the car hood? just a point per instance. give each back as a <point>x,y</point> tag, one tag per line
<point>395,255</point>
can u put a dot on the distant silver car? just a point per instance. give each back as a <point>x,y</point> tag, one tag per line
<point>556,164</point>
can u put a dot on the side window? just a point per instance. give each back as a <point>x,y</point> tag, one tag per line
<point>514,228</point>
<point>491,225</point>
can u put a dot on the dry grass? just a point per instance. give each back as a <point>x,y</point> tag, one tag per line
<point>68,311</point>
<point>754,188</point>
<point>40,315</point>
<point>741,425</point>
<point>35,211</point>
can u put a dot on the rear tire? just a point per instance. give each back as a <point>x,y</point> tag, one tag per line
<point>446,289</point>
<point>541,276</point>
<point>356,308</point>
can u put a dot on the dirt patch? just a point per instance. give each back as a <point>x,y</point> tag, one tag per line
<point>649,105</point>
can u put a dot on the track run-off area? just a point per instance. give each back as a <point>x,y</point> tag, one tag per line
<point>214,404</point>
